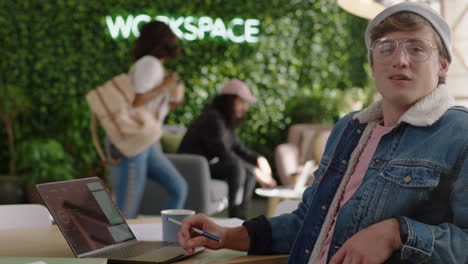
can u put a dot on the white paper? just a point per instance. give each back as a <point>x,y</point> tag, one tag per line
<point>153,231</point>
<point>229,222</point>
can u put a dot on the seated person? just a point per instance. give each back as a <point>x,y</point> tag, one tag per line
<point>213,135</point>
<point>392,185</point>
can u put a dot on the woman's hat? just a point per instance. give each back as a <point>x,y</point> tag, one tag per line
<point>239,88</point>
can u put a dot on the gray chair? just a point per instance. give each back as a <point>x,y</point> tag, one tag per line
<point>206,195</point>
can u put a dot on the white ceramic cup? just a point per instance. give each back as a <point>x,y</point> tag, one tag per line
<point>170,229</point>
<point>177,93</point>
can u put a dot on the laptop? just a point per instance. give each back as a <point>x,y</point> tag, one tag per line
<point>294,192</point>
<point>94,227</point>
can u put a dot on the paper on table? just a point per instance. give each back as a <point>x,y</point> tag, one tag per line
<point>153,231</point>
<point>229,222</point>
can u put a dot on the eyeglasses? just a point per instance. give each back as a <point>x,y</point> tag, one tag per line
<point>418,50</point>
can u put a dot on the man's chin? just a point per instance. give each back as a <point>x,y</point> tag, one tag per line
<point>403,101</point>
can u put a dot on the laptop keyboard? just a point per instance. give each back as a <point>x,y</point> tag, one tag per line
<point>132,250</point>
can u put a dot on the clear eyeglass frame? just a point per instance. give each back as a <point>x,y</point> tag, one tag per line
<point>417,49</point>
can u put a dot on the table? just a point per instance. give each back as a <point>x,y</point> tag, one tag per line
<point>276,195</point>
<point>49,242</point>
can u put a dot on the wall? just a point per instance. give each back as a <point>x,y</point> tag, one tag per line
<point>55,51</point>
<point>456,13</point>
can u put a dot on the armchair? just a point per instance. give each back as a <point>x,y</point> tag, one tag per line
<point>206,195</point>
<point>305,142</point>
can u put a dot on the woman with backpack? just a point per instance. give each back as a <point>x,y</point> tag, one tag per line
<point>156,45</point>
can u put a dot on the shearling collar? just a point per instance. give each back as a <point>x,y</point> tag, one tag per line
<point>425,112</point>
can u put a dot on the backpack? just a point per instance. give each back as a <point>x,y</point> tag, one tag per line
<point>130,129</point>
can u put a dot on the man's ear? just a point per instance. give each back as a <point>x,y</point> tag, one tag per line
<point>444,67</point>
<point>372,69</point>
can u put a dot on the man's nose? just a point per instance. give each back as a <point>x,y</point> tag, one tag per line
<point>400,58</point>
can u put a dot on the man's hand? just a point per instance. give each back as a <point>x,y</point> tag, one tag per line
<point>236,238</point>
<point>374,244</point>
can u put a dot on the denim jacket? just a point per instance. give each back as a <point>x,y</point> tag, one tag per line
<point>418,174</point>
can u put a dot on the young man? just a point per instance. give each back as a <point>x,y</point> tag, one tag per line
<point>392,185</point>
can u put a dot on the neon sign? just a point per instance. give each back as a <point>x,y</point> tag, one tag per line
<point>189,28</point>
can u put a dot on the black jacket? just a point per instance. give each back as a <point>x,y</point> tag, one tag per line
<point>210,136</point>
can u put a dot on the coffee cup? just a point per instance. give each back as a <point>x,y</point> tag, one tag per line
<point>169,228</point>
<point>177,93</point>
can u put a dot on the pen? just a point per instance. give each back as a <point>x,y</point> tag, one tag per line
<point>203,233</point>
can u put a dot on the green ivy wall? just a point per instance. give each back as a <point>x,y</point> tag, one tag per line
<point>58,50</point>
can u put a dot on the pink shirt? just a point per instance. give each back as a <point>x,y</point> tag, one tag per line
<point>355,181</point>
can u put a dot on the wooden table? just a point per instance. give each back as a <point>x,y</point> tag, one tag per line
<point>49,242</point>
<point>275,196</point>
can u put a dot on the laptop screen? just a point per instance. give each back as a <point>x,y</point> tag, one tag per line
<point>85,214</point>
